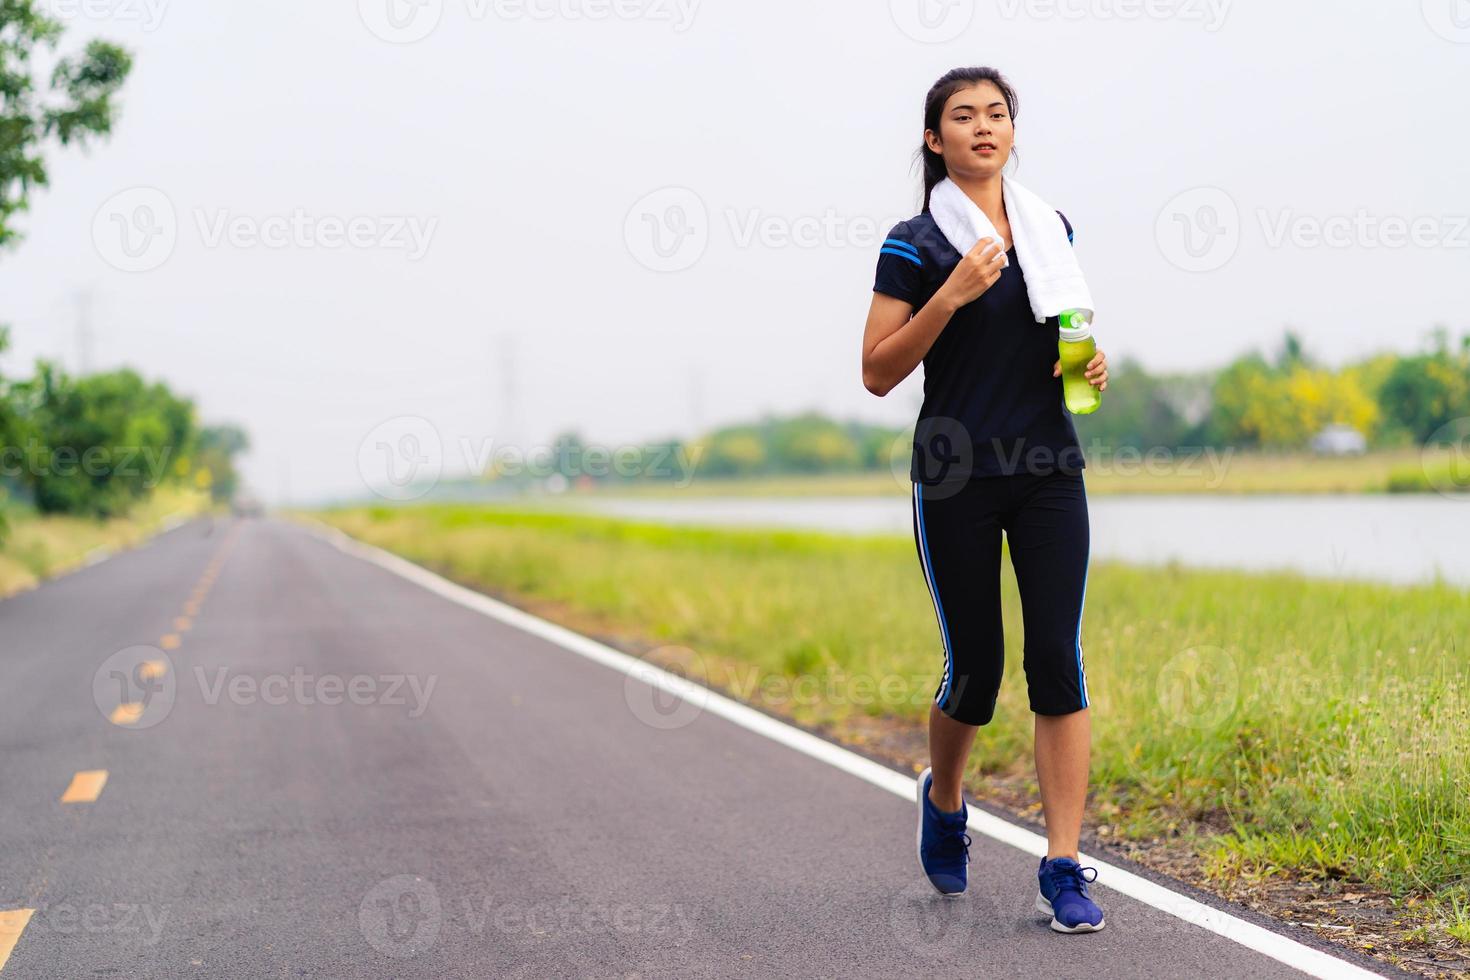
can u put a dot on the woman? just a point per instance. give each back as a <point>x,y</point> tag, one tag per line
<point>994,450</point>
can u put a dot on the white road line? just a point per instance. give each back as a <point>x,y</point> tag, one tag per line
<point>1313,962</point>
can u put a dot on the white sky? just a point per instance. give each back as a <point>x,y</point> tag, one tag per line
<point>524,147</point>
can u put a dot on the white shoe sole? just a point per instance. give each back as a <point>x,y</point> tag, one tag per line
<point>919,835</point>
<point>1042,905</point>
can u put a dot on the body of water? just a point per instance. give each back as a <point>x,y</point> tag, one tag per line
<point>1390,538</point>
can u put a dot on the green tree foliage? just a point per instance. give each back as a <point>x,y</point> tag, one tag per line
<point>811,443</point>
<point>1282,405</point>
<point>9,433</point>
<point>1421,394</point>
<point>805,443</point>
<point>96,445</point>
<point>1143,410</point>
<point>79,102</point>
<point>218,445</point>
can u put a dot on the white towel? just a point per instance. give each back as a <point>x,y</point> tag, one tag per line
<point>1053,279</point>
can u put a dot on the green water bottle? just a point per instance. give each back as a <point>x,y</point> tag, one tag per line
<point>1075,347</point>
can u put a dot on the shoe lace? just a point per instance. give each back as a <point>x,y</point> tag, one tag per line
<point>1072,878</point>
<point>951,844</point>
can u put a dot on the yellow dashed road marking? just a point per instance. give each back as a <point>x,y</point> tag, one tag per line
<point>181,623</point>
<point>126,714</point>
<point>85,786</point>
<point>150,669</point>
<point>169,641</point>
<point>12,924</point>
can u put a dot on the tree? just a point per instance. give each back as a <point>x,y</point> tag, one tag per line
<point>1293,353</point>
<point>79,105</point>
<point>97,444</point>
<point>9,436</point>
<point>218,446</point>
<point>1423,393</point>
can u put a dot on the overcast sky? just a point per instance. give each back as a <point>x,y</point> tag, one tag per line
<point>643,218</point>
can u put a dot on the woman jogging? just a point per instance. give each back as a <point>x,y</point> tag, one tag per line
<point>994,451</point>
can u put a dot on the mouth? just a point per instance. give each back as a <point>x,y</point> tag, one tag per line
<point>984,147</point>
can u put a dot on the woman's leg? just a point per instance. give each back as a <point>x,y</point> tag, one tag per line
<point>1049,546</point>
<point>957,536</point>
<point>1063,748</point>
<point>949,749</point>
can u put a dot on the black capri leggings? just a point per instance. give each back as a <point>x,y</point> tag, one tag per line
<point>957,533</point>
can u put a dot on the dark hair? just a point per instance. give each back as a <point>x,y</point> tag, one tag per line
<point>939,93</point>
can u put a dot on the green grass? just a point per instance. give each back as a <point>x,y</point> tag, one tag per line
<point>1444,472</point>
<point>1325,725</point>
<point>1229,470</point>
<point>37,546</point>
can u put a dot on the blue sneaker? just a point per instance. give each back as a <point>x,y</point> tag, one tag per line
<point>944,847</point>
<point>1064,896</point>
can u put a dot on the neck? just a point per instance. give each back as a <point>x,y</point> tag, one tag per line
<point>987,195</point>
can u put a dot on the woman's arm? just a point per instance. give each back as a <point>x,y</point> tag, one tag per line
<point>896,339</point>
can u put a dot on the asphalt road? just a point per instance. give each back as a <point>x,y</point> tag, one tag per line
<point>330,771</point>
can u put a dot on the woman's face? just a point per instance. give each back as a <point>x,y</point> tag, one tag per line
<point>975,132</point>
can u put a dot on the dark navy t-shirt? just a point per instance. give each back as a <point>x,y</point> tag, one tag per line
<point>991,406</point>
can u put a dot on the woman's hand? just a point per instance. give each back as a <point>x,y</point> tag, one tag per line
<point>976,272</point>
<point>1096,373</point>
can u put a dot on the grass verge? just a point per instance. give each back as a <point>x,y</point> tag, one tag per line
<point>40,546</point>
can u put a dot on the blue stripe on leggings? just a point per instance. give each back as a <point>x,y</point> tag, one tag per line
<point>1082,674</point>
<point>934,594</point>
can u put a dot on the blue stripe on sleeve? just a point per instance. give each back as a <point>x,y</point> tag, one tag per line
<point>903,255</point>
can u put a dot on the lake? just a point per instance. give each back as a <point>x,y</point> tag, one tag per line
<point>1389,538</point>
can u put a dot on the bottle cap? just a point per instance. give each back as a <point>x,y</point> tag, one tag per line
<point>1074,325</point>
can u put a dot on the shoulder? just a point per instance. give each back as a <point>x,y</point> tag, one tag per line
<point>919,236</point>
